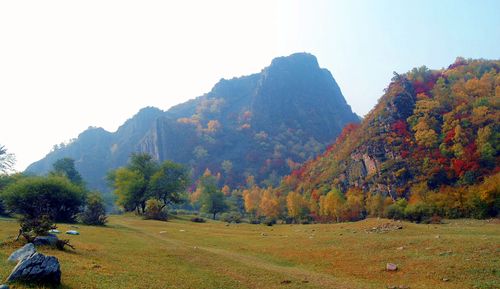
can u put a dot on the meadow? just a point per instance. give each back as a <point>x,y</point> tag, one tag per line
<point>133,253</point>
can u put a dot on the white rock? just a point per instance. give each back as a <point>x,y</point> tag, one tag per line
<point>391,267</point>
<point>20,254</point>
<point>72,232</point>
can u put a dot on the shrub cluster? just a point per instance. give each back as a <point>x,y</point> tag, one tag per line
<point>94,212</point>
<point>232,217</point>
<point>155,210</point>
<point>198,220</point>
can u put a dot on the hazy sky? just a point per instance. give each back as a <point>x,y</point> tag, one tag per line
<point>67,65</point>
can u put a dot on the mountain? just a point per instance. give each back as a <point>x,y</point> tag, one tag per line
<point>263,125</point>
<point>96,150</point>
<point>433,138</point>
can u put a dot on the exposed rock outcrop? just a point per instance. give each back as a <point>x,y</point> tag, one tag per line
<point>22,253</point>
<point>37,268</point>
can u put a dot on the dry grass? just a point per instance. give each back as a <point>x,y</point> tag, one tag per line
<point>134,253</point>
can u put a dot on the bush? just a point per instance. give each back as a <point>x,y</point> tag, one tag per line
<point>155,210</point>
<point>94,212</point>
<point>254,220</point>
<point>55,198</point>
<point>480,209</point>
<point>435,219</point>
<point>305,221</point>
<point>269,221</point>
<point>34,227</point>
<point>418,212</point>
<point>397,210</point>
<point>232,217</point>
<point>198,220</point>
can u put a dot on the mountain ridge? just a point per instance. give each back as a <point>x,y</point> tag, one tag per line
<point>261,121</point>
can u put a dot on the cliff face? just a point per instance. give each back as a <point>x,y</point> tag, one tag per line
<point>295,92</point>
<point>261,125</point>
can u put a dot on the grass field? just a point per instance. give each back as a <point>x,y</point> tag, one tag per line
<point>134,253</point>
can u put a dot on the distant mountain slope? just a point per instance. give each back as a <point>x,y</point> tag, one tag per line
<point>430,130</point>
<point>262,125</point>
<point>96,150</point>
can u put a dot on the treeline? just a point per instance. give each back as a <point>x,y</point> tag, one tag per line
<point>270,205</point>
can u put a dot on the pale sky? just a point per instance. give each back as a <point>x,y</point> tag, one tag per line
<point>67,65</point>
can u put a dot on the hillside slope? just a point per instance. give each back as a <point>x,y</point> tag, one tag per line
<point>262,125</point>
<point>432,136</point>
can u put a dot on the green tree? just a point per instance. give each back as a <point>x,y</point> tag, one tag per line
<point>5,181</point>
<point>65,167</point>
<point>143,178</point>
<point>131,183</point>
<point>41,201</point>
<point>54,196</point>
<point>212,199</point>
<point>169,182</point>
<point>129,188</point>
<point>227,166</point>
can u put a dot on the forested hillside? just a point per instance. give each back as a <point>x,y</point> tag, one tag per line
<point>429,147</point>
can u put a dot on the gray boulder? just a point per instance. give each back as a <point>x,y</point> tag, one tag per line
<point>4,286</point>
<point>37,268</point>
<point>49,240</point>
<point>20,254</point>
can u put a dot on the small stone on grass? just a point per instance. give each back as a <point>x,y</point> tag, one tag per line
<point>391,267</point>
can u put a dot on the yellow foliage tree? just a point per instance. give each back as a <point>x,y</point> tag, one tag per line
<point>269,204</point>
<point>296,205</point>
<point>226,190</point>
<point>251,197</point>
<point>424,135</point>
<point>213,126</point>
<point>313,206</point>
<point>332,205</point>
<point>354,205</point>
<point>489,190</point>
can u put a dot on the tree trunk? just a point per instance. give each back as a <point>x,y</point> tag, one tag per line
<point>214,216</point>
